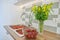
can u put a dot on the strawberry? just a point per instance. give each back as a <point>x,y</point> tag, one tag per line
<point>19,31</point>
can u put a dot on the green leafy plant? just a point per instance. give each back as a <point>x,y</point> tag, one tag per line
<point>41,13</point>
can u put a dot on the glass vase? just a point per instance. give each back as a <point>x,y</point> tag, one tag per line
<point>41,25</point>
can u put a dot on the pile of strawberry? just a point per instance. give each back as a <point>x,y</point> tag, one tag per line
<point>17,26</point>
<point>31,34</point>
<point>22,29</point>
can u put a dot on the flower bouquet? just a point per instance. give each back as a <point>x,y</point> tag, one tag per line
<point>41,14</point>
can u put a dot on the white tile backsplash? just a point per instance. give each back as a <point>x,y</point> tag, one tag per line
<point>59,5</point>
<point>50,23</point>
<point>53,20</point>
<point>55,11</point>
<point>58,30</point>
<point>50,28</point>
<point>36,25</point>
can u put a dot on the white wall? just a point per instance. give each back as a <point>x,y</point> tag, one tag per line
<point>9,14</point>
